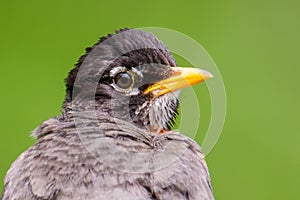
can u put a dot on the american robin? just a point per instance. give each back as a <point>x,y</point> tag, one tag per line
<point>113,139</point>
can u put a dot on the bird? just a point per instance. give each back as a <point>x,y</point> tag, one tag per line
<point>114,137</point>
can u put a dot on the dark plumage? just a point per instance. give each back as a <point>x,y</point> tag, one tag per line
<point>106,143</point>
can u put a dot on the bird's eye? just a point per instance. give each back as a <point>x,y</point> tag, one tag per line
<point>123,80</point>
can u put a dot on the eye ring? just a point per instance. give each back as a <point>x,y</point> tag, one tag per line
<point>133,73</point>
<point>123,80</point>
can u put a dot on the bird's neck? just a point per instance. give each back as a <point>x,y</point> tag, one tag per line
<point>112,109</point>
<point>154,116</point>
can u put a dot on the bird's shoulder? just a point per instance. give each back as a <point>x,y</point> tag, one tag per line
<point>60,166</point>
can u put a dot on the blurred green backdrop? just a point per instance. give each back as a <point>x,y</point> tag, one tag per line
<point>254,43</point>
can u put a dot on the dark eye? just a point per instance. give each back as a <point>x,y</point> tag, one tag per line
<point>123,80</point>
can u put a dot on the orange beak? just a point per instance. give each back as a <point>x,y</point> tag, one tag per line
<point>180,78</point>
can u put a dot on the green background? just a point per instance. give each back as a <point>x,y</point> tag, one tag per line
<point>255,45</point>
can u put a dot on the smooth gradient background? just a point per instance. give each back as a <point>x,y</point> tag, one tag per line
<point>255,45</point>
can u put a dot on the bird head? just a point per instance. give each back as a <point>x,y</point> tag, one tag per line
<point>132,76</point>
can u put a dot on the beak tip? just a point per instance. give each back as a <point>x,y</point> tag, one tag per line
<point>205,74</point>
